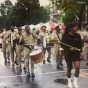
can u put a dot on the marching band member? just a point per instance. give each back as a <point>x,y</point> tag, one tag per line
<point>56,36</point>
<point>4,45</point>
<point>45,34</point>
<point>19,46</point>
<point>28,40</point>
<point>9,39</point>
<point>70,37</point>
<point>85,40</point>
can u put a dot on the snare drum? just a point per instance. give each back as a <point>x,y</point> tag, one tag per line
<point>36,56</point>
<point>47,42</point>
<point>61,51</point>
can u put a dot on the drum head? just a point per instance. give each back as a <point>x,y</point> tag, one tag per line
<point>44,42</point>
<point>35,52</point>
<point>61,49</point>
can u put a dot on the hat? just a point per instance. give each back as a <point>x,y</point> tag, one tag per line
<point>19,25</point>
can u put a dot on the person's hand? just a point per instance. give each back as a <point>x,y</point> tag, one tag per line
<point>22,39</point>
<point>6,42</point>
<point>81,55</point>
<point>73,48</point>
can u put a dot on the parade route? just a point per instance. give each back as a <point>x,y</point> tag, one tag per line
<point>46,76</point>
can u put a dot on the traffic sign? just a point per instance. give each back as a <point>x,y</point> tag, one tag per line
<point>81,2</point>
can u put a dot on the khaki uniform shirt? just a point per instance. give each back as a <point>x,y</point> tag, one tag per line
<point>84,35</point>
<point>55,37</point>
<point>3,39</point>
<point>17,35</point>
<point>43,34</point>
<point>8,35</point>
<point>79,32</point>
<point>28,39</point>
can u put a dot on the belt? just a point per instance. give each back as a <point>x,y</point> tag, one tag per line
<point>29,47</point>
<point>19,44</point>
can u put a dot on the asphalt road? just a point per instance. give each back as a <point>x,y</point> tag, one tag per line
<point>46,76</point>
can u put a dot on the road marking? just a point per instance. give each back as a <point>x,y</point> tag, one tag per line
<point>35,74</point>
<point>82,74</point>
<point>85,74</point>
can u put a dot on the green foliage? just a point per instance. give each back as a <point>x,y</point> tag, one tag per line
<point>29,12</point>
<point>45,14</point>
<point>70,8</point>
<point>24,12</point>
<point>5,11</point>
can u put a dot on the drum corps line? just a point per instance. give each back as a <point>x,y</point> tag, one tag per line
<point>18,43</point>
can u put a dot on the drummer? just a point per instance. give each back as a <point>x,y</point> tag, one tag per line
<point>28,40</point>
<point>56,36</point>
<point>45,34</point>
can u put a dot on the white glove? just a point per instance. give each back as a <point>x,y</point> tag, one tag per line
<point>6,42</point>
<point>4,32</point>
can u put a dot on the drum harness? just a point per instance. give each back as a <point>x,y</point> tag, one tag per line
<point>58,36</point>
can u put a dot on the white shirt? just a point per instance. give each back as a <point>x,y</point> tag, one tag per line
<point>84,35</point>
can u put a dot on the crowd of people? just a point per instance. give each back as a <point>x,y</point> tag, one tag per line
<point>71,40</point>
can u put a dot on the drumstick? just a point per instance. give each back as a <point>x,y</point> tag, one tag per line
<point>68,45</point>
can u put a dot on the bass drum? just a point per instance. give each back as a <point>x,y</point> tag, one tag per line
<point>36,56</point>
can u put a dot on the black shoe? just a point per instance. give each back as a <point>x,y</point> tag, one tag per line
<point>8,59</point>
<point>33,75</point>
<point>61,64</point>
<point>12,64</point>
<point>5,60</point>
<point>86,63</point>
<point>20,69</point>
<point>16,62</point>
<point>48,60</point>
<point>44,62</point>
<point>24,69</point>
<point>28,74</point>
<point>57,66</point>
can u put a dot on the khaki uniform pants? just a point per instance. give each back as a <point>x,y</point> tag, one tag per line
<point>19,49</point>
<point>86,50</point>
<point>4,46</point>
<point>10,50</point>
<point>57,53</point>
<point>49,52</point>
<point>26,60</point>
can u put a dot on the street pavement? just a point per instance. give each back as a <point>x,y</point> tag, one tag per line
<point>46,76</point>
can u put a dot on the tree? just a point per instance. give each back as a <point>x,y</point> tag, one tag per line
<point>5,11</point>
<point>24,12</point>
<point>70,8</point>
<point>29,12</point>
<point>45,14</point>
